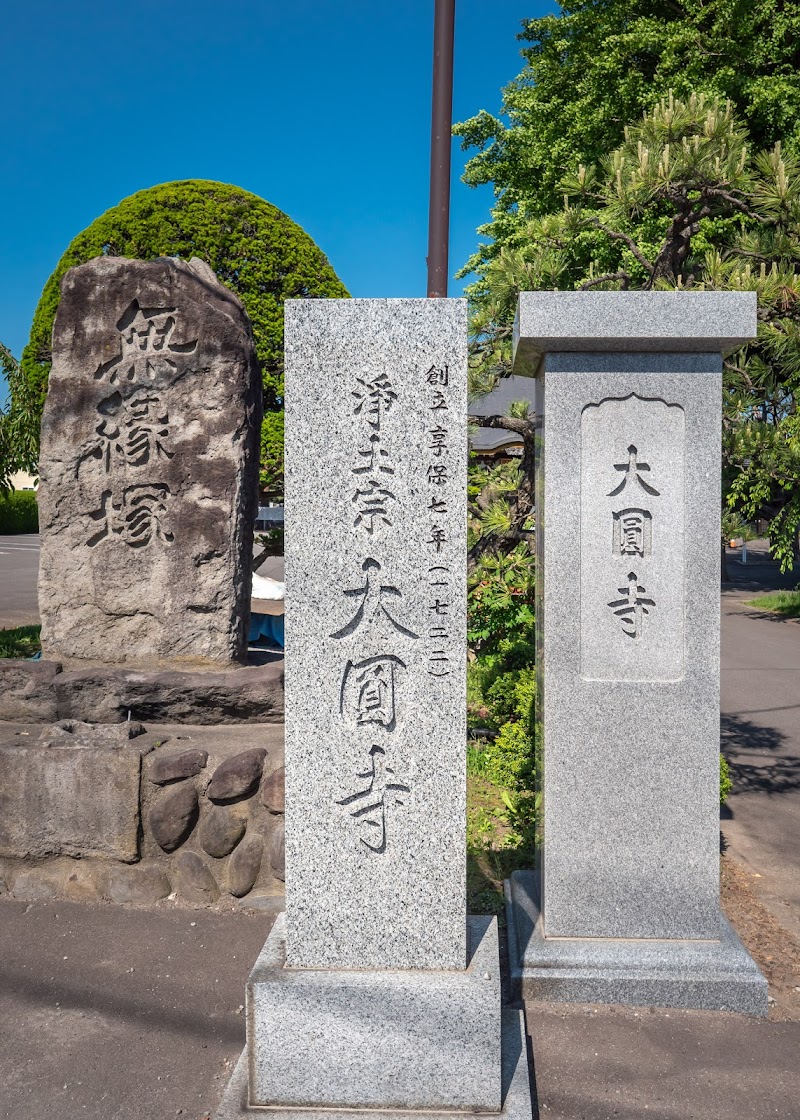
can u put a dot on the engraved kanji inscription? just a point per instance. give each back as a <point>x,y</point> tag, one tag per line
<point>131,432</point>
<point>147,352</point>
<point>633,469</point>
<point>374,398</point>
<point>138,517</point>
<point>373,458</point>
<point>373,504</point>
<point>369,805</point>
<point>633,533</point>
<point>368,691</point>
<point>372,608</point>
<point>632,607</point>
<point>438,375</point>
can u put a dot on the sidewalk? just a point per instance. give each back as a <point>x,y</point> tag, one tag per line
<point>760,701</point>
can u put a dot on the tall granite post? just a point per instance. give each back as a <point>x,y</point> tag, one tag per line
<point>628,528</point>
<point>376,991</point>
<point>149,468</point>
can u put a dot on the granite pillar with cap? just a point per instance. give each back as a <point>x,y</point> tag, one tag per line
<point>625,906</point>
<point>375,992</point>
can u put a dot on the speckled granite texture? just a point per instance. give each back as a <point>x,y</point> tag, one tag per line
<point>370,1039</point>
<point>515,1082</point>
<point>631,700</point>
<point>376,452</point>
<point>716,975</point>
<point>688,322</point>
<point>628,532</point>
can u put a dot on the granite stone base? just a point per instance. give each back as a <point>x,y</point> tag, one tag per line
<point>376,1039</point>
<point>709,975</point>
<point>515,1088</point>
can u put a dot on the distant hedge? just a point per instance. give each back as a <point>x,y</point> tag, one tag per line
<point>19,512</point>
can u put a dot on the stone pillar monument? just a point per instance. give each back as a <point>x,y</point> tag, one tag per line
<point>376,991</point>
<point>628,542</point>
<point>149,468</point>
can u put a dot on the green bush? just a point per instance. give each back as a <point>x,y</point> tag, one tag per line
<point>254,249</point>
<point>725,780</point>
<point>21,642</point>
<point>19,512</point>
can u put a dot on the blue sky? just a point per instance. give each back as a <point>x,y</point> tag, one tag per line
<point>320,106</point>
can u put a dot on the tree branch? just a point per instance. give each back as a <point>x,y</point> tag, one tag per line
<point>634,248</point>
<point>602,279</point>
<point>510,423</point>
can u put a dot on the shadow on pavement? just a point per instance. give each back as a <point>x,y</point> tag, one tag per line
<point>741,737</point>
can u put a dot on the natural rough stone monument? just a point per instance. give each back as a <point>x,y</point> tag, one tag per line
<point>149,464</point>
<point>376,992</point>
<point>628,539</point>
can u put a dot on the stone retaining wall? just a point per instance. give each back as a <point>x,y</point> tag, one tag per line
<point>45,691</point>
<point>134,814</point>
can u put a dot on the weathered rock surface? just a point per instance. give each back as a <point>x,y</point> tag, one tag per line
<point>173,816</point>
<point>277,851</point>
<point>193,879</point>
<point>39,692</point>
<point>139,884</point>
<point>237,776</point>
<point>27,690</point>
<point>79,880</point>
<point>244,865</point>
<point>76,733</point>
<point>221,830</point>
<point>163,768</point>
<point>273,791</point>
<point>69,800</point>
<point>148,467</point>
<point>250,693</point>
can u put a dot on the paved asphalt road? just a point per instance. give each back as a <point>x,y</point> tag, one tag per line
<point>19,568</point>
<point>761,740</point>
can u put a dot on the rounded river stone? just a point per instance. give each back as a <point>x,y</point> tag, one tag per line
<point>221,831</point>
<point>277,851</point>
<point>192,878</point>
<point>173,816</point>
<point>237,776</point>
<point>138,885</point>
<point>273,791</point>
<point>171,767</point>
<point>244,865</point>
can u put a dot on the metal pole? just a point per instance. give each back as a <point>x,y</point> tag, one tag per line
<point>441,125</point>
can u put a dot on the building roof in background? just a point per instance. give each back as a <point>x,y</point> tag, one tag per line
<point>492,439</point>
<point>498,402</point>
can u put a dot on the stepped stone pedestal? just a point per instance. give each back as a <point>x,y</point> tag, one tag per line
<point>376,994</point>
<point>626,906</point>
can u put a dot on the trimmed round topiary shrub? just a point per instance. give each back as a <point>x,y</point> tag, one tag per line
<point>254,248</point>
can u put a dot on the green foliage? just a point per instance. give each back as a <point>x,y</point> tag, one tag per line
<point>786,603</point>
<point>254,249</point>
<point>271,473</point>
<point>684,202</point>
<point>725,781</point>
<point>17,422</point>
<point>501,591</point>
<point>600,65</point>
<point>21,642</point>
<point>18,512</point>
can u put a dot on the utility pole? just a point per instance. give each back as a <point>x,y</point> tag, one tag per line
<point>441,126</point>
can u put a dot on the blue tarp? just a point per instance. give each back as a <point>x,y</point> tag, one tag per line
<point>266,628</point>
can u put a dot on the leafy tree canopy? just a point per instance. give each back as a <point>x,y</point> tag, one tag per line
<point>599,65</point>
<point>254,248</point>
<point>683,202</point>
